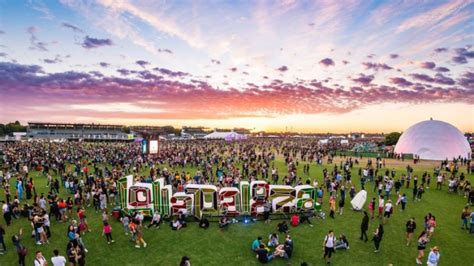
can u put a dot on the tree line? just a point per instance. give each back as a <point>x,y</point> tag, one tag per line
<point>7,129</point>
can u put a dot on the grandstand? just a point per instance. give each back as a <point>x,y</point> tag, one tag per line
<point>36,130</point>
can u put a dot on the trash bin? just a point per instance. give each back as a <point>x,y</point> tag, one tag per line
<point>117,213</point>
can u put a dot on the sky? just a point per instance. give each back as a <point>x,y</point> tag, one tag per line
<point>306,66</point>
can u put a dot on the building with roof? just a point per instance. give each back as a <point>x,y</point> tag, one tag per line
<point>69,131</point>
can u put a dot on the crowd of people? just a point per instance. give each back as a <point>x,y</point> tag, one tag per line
<point>83,177</point>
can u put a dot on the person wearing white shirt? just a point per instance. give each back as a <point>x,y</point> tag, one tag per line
<point>140,217</point>
<point>58,260</point>
<point>329,246</point>
<point>40,260</point>
<point>439,182</point>
<point>381,205</point>
<point>6,213</point>
<point>388,210</point>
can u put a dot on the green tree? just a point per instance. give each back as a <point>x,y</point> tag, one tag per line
<point>126,129</point>
<point>392,138</point>
<point>11,127</point>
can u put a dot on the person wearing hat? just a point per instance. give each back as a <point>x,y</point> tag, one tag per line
<point>433,257</point>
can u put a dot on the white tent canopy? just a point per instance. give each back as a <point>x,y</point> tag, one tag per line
<point>225,135</point>
<point>433,140</point>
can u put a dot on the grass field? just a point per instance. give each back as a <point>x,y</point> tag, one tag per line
<point>232,246</point>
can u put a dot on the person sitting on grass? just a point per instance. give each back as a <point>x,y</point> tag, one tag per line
<point>156,220</point>
<point>263,254</point>
<point>305,218</point>
<point>175,224</point>
<point>223,222</point>
<point>204,223</point>
<point>288,247</point>
<point>289,241</point>
<point>182,218</point>
<point>283,227</point>
<point>280,252</point>
<point>256,243</point>
<point>342,242</point>
<point>273,240</point>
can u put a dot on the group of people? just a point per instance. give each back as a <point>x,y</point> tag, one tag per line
<point>281,250</point>
<point>83,175</point>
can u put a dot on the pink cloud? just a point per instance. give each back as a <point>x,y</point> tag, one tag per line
<point>326,62</point>
<point>33,89</point>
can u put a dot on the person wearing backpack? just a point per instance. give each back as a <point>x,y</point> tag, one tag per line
<point>329,246</point>
<point>40,260</point>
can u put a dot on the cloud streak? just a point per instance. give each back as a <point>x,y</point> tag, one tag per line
<point>92,43</point>
<point>35,44</point>
<point>197,99</point>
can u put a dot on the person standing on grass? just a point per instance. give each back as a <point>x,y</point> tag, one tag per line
<point>341,205</point>
<point>69,204</point>
<point>421,190</point>
<point>2,240</point>
<point>431,226</point>
<point>81,213</point>
<point>125,222</point>
<point>433,257</point>
<point>266,212</point>
<point>364,226</point>
<point>6,213</point>
<point>471,229</point>
<point>378,235</point>
<point>40,260</point>
<point>332,206</point>
<point>103,200</point>
<point>422,240</point>
<point>381,205</point>
<point>388,211</point>
<point>20,249</point>
<point>372,208</point>
<point>329,246</point>
<point>410,228</point>
<point>464,216</point>
<point>107,231</point>
<point>139,236</point>
<point>415,192</point>
<point>105,216</point>
<point>58,260</point>
<point>403,201</point>
<point>439,181</point>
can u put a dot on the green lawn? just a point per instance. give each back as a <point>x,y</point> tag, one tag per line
<point>232,247</point>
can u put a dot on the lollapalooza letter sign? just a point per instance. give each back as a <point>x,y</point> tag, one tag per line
<point>248,199</point>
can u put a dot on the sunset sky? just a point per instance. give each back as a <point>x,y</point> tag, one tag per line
<point>308,66</point>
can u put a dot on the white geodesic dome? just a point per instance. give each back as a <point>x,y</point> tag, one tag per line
<point>433,140</point>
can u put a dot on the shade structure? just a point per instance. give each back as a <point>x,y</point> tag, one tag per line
<point>229,136</point>
<point>433,140</point>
